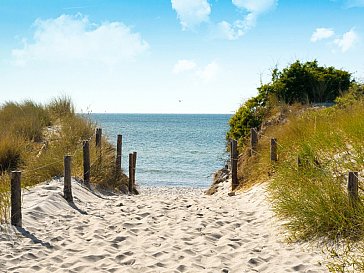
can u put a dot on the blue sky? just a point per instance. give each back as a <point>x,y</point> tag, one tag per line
<point>168,56</point>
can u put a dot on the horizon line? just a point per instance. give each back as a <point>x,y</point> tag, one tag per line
<point>133,113</point>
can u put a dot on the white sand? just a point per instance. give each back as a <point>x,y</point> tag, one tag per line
<point>161,230</point>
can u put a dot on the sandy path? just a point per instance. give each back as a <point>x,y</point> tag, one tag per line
<point>161,230</point>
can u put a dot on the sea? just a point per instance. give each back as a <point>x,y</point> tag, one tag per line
<point>182,150</point>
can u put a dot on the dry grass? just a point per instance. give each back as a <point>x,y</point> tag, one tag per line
<point>35,138</point>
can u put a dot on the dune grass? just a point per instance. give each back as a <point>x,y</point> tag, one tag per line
<point>312,197</point>
<point>35,138</point>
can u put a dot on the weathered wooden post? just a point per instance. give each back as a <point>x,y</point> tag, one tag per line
<point>131,162</point>
<point>98,146</point>
<point>119,144</point>
<point>273,150</point>
<point>16,216</point>
<point>299,162</point>
<point>86,163</point>
<point>253,141</point>
<point>98,137</point>
<point>234,163</point>
<point>353,186</point>
<point>67,190</point>
<point>134,167</point>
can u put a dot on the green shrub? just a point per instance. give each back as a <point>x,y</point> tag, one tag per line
<point>249,115</point>
<point>355,93</point>
<point>298,83</point>
<point>308,83</point>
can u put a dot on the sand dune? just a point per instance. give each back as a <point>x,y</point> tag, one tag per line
<point>161,230</point>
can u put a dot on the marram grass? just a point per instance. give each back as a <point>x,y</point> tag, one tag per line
<point>35,138</point>
<point>312,197</point>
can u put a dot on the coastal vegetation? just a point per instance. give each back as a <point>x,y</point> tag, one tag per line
<point>303,83</point>
<point>317,147</point>
<point>35,138</point>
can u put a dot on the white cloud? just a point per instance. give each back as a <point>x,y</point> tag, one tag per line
<point>209,72</point>
<point>191,12</point>
<point>347,41</point>
<point>321,34</point>
<point>254,8</point>
<point>183,66</point>
<point>75,39</point>
<point>205,73</point>
<point>231,31</point>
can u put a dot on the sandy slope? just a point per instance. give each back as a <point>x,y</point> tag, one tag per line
<point>161,230</point>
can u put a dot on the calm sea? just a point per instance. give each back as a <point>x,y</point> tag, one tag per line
<point>173,150</point>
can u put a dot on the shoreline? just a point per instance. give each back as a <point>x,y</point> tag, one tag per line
<point>160,230</point>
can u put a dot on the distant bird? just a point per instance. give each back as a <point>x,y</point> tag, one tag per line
<point>179,100</point>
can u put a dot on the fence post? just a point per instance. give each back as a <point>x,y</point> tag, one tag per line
<point>253,141</point>
<point>16,216</point>
<point>98,137</point>
<point>86,163</point>
<point>67,190</point>
<point>353,187</point>
<point>134,167</point>
<point>119,153</point>
<point>299,162</point>
<point>131,161</point>
<point>273,149</point>
<point>234,163</point>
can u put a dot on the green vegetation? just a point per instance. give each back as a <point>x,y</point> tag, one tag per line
<point>299,83</point>
<point>35,138</point>
<point>311,196</point>
<point>307,83</point>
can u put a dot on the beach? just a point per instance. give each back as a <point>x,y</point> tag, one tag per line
<point>161,230</point>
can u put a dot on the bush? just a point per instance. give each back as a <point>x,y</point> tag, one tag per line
<point>299,83</point>
<point>308,83</point>
<point>355,93</point>
<point>249,115</point>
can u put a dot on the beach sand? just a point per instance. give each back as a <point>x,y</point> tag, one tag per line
<point>160,230</point>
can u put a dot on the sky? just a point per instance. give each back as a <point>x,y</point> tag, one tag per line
<point>168,56</point>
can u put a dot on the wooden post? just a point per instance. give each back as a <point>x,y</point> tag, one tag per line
<point>134,167</point>
<point>67,190</point>
<point>299,162</point>
<point>98,137</point>
<point>86,163</point>
<point>131,161</point>
<point>273,149</point>
<point>119,153</point>
<point>353,187</point>
<point>229,165</point>
<point>253,141</point>
<point>234,163</point>
<point>16,217</point>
